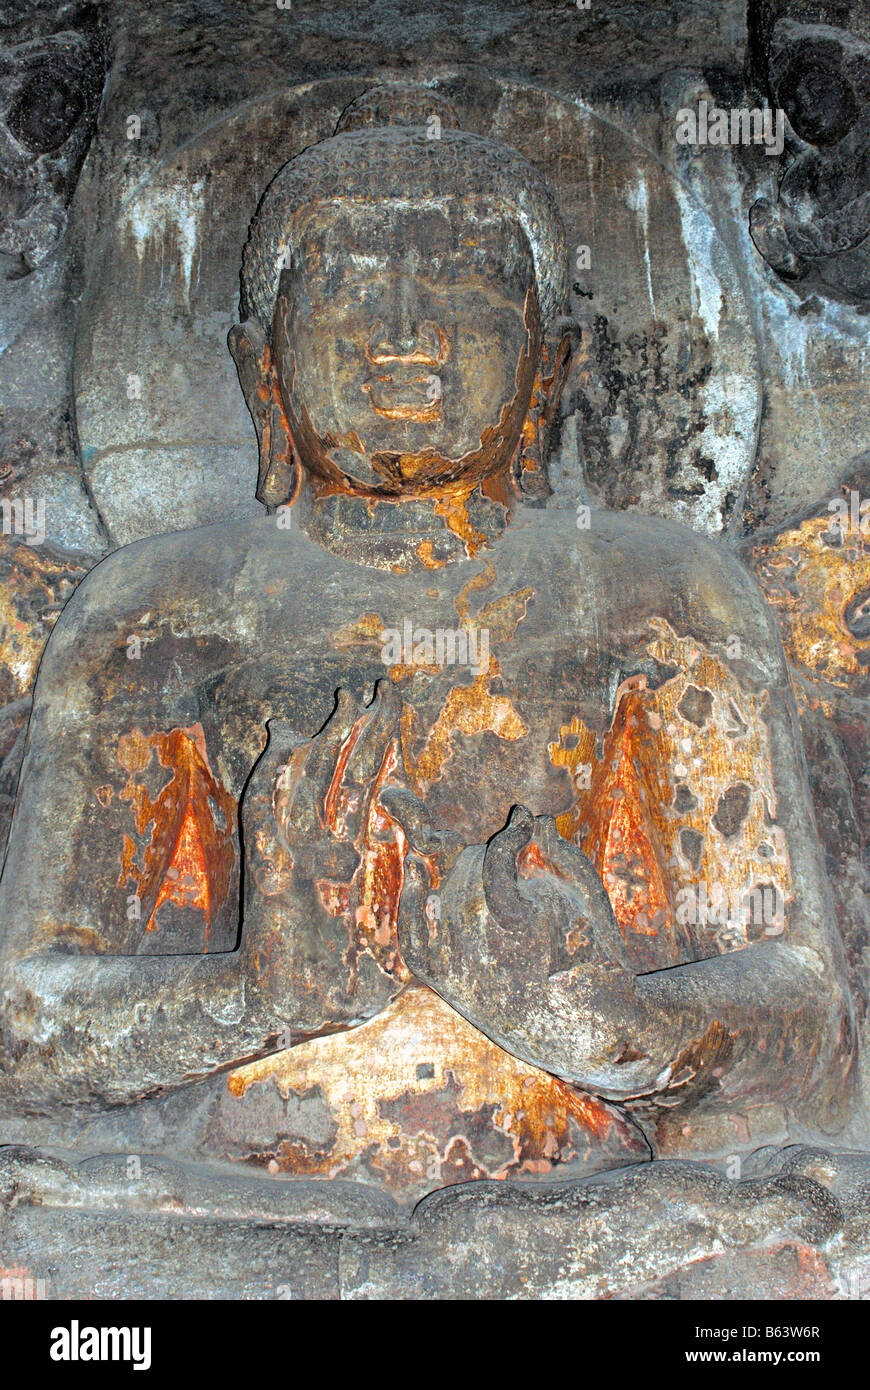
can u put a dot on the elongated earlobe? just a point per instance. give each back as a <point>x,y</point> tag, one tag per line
<point>530,460</point>
<point>278,478</point>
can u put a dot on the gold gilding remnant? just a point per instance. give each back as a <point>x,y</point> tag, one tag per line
<point>677,809</point>
<point>34,587</point>
<point>469,709</point>
<point>812,582</point>
<point>425,552</point>
<point>420,1098</point>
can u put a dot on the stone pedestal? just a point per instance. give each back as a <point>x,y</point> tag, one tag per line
<point>155,1229</point>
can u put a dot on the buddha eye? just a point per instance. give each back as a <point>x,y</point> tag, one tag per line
<point>46,111</point>
<point>817,98</point>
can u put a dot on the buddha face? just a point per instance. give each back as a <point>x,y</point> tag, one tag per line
<point>817,228</point>
<point>405,344</point>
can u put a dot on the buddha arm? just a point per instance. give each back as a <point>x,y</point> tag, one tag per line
<point>115,1028</point>
<point>81,1017</point>
<point>767,1021</point>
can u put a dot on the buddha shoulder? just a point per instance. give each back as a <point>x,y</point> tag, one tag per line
<point>634,568</point>
<point>203,569</point>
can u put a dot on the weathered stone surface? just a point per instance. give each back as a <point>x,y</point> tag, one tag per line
<point>665,388</point>
<point>51,81</point>
<point>815,63</point>
<point>37,581</point>
<point>430,934</point>
<point>815,573</point>
<point>587,1241</point>
<point>661,1231</point>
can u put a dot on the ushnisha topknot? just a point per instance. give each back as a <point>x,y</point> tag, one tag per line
<point>384,149</point>
<point>398,104</point>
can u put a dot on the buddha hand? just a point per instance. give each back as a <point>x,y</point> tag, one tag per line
<point>519,936</point>
<point>324,868</point>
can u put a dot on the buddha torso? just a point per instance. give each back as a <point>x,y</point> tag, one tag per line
<point>603,693</point>
<point>233,626</point>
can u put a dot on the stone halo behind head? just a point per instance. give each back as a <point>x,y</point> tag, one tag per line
<point>386,147</point>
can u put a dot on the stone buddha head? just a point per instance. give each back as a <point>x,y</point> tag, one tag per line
<point>812,57</point>
<point>397,288</point>
<point>50,90</point>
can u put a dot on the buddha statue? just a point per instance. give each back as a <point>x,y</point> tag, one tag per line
<point>51,84</point>
<point>812,60</point>
<point>414,771</point>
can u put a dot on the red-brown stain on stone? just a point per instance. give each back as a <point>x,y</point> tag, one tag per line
<point>189,855</point>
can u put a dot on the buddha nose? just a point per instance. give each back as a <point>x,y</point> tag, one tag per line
<point>404,335</point>
<point>410,341</point>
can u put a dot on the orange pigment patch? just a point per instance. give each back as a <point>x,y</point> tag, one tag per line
<point>648,817</point>
<point>467,709</point>
<point>811,584</point>
<point>189,855</point>
<point>425,552</point>
<point>453,510</point>
<point>379,882</point>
